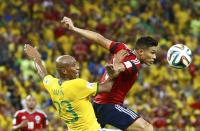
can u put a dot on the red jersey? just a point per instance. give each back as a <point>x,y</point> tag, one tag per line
<point>36,119</point>
<point>124,80</point>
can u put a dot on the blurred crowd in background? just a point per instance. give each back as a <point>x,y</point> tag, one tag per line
<point>168,98</point>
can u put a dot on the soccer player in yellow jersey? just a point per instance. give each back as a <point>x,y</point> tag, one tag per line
<point>70,94</point>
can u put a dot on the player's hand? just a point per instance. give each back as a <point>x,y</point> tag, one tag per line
<point>68,23</point>
<point>119,56</point>
<point>31,52</point>
<point>24,123</point>
<point>109,69</point>
<point>112,71</point>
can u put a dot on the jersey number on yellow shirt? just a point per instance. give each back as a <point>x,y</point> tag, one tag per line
<point>67,104</point>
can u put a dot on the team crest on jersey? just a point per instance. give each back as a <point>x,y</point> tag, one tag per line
<point>90,85</point>
<point>37,119</point>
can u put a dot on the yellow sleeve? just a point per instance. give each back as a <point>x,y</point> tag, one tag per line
<point>85,88</point>
<point>48,81</point>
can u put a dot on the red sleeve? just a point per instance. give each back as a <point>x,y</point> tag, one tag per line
<point>116,46</point>
<point>45,120</point>
<point>16,119</point>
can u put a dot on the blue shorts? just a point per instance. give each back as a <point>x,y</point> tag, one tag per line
<point>115,115</point>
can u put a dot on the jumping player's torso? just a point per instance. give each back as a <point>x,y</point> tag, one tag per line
<point>124,81</point>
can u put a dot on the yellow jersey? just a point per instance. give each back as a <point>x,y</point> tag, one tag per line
<point>72,101</point>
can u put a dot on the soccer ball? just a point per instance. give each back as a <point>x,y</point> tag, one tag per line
<point>179,56</point>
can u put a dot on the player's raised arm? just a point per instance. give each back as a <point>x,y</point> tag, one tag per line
<point>96,37</point>
<point>32,53</point>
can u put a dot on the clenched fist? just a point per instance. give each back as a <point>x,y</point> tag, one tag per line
<point>31,52</point>
<point>68,23</point>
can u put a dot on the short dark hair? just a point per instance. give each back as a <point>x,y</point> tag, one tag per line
<point>145,42</point>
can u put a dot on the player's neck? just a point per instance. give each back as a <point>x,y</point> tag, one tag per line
<point>30,110</point>
<point>62,79</point>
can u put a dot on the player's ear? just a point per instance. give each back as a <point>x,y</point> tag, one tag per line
<point>140,51</point>
<point>64,71</point>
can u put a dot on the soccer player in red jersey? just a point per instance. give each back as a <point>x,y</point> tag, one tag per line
<point>109,107</point>
<point>30,119</point>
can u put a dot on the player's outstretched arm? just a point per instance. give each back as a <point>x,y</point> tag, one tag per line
<point>96,37</point>
<point>32,53</point>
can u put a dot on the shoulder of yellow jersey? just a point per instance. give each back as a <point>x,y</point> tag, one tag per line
<point>47,79</point>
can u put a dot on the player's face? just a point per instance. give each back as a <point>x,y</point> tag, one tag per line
<point>68,67</point>
<point>148,55</point>
<point>71,71</point>
<point>74,70</point>
<point>30,102</point>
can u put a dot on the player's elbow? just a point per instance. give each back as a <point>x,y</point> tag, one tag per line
<point>103,41</point>
<point>100,38</point>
